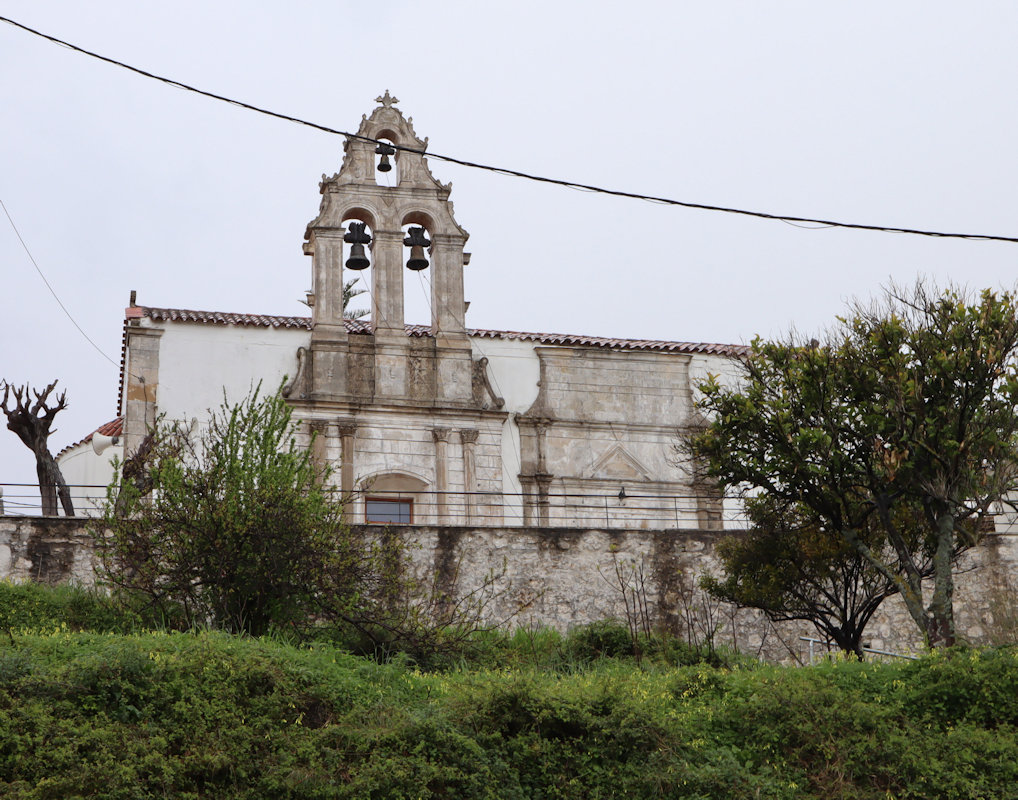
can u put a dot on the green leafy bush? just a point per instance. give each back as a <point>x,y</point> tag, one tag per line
<point>208,714</point>
<point>33,606</point>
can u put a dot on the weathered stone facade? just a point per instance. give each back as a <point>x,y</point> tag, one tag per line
<point>48,550</point>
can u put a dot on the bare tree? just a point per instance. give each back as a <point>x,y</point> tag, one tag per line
<point>32,422</point>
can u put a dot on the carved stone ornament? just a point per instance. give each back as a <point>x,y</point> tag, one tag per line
<point>482,389</point>
<point>297,388</point>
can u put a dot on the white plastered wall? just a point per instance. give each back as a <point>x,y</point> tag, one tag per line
<point>513,370</point>
<point>87,475</point>
<point>199,362</point>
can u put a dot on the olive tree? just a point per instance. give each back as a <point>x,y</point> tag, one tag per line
<point>907,410</point>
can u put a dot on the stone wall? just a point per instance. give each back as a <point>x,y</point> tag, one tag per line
<point>45,549</point>
<point>567,576</point>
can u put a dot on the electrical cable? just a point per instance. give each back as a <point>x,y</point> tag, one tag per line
<point>60,302</point>
<point>513,172</point>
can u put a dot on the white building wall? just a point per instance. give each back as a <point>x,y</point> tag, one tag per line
<point>514,371</point>
<point>87,475</point>
<point>199,362</point>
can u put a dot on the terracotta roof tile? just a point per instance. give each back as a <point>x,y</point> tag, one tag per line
<point>221,318</point>
<point>115,427</point>
<point>363,327</point>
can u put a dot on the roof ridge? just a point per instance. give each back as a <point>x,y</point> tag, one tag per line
<point>361,326</point>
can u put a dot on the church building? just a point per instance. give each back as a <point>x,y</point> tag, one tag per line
<point>439,424</point>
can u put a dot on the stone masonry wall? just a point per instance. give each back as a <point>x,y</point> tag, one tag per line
<point>567,576</point>
<point>45,549</point>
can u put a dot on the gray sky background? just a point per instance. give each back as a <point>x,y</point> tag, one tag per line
<point>892,113</point>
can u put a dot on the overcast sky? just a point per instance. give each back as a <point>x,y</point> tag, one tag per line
<point>888,113</point>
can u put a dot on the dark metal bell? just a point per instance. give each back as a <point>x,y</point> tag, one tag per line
<point>384,151</point>
<point>417,261</point>
<point>416,241</point>
<point>357,259</point>
<point>357,237</point>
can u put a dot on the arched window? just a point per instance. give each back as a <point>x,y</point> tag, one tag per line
<point>396,499</point>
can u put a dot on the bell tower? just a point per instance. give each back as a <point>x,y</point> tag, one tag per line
<point>387,229</point>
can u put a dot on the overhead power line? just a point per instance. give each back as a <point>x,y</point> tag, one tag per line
<point>513,172</point>
<point>52,291</point>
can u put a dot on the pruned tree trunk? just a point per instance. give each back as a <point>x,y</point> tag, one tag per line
<point>32,422</point>
<point>52,486</point>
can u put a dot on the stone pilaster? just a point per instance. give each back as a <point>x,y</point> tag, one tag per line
<point>330,346</point>
<point>543,501</point>
<point>387,283</point>
<point>441,436</point>
<point>347,430</point>
<point>326,246</point>
<point>318,431</point>
<point>468,438</point>
<point>447,315</point>
<point>141,384</point>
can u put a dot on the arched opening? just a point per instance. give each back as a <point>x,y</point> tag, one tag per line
<point>417,250</point>
<point>359,239</point>
<point>386,159</point>
<point>395,498</point>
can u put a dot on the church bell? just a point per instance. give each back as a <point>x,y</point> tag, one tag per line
<point>384,151</point>
<point>416,241</point>
<point>357,237</point>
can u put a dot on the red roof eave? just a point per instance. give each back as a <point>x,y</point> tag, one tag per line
<point>362,327</point>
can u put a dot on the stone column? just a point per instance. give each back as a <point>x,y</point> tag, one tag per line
<point>447,312</point>
<point>543,502</point>
<point>318,431</point>
<point>329,344</point>
<point>454,363</point>
<point>469,440</point>
<point>141,377</point>
<point>387,283</point>
<point>709,506</point>
<point>326,248</point>
<point>527,486</point>
<point>441,436</point>
<point>391,345</point>
<point>347,429</point>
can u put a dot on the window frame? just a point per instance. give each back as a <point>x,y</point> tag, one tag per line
<point>407,502</point>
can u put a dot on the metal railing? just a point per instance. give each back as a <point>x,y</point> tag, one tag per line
<point>871,650</point>
<point>479,508</point>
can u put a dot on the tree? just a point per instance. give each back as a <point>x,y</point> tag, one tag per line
<point>237,528</point>
<point>349,293</point>
<point>791,568</point>
<point>33,422</point>
<point>909,409</point>
<point>239,531</point>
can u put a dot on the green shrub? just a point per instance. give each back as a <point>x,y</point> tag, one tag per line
<point>207,714</point>
<point>603,639</point>
<point>38,607</point>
